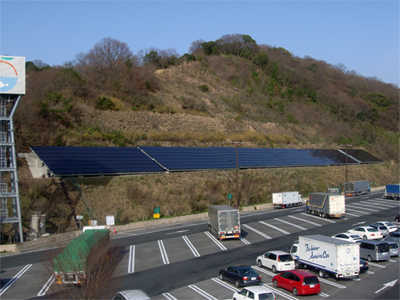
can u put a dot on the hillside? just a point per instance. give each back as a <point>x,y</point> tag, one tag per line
<point>262,95</point>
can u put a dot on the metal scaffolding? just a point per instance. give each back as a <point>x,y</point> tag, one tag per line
<point>9,191</point>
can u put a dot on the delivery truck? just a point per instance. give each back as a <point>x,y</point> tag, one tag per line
<point>392,191</point>
<point>286,199</point>
<point>224,222</point>
<point>357,188</point>
<point>326,205</point>
<point>327,256</point>
<point>80,256</point>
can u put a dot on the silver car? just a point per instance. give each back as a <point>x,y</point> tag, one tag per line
<point>393,248</point>
<point>394,237</point>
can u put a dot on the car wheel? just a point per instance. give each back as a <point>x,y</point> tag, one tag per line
<point>369,258</point>
<point>365,237</point>
<point>274,269</point>
<point>237,283</point>
<point>259,263</point>
<point>295,292</point>
<point>276,283</point>
<point>221,276</point>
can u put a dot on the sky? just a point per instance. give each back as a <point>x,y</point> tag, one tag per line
<point>361,35</point>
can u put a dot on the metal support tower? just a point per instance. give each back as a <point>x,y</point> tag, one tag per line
<point>9,191</point>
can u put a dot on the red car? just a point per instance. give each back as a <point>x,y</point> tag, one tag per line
<point>298,282</point>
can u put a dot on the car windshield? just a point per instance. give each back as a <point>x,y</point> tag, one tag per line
<point>249,272</point>
<point>285,257</point>
<point>266,296</point>
<point>356,237</point>
<point>389,224</point>
<point>382,227</point>
<point>383,248</point>
<point>372,229</point>
<point>393,246</point>
<point>311,280</point>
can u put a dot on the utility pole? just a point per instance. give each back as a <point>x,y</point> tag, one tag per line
<point>237,172</point>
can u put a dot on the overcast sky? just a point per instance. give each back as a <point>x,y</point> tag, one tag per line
<point>362,35</point>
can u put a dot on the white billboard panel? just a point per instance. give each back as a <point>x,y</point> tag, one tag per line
<point>12,75</point>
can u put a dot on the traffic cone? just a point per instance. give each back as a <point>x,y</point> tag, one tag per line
<point>115,231</point>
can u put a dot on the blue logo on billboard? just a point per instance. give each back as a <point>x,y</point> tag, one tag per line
<point>8,74</point>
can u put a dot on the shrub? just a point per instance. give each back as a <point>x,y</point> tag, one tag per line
<point>105,103</point>
<point>292,119</point>
<point>204,88</point>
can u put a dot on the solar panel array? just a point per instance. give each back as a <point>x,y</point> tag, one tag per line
<point>81,161</point>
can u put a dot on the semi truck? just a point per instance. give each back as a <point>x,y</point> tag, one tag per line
<point>327,256</point>
<point>356,188</point>
<point>392,191</point>
<point>80,256</point>
<point>326,205</point>
<point>224,222</point>
<point>286,199</point>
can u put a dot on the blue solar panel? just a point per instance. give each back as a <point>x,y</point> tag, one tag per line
<point>332,157</point>
<point>362,156</point>
<point>182,158</point>
<point>250,157</point>
<point>92,160</point>
<point>296,157</point>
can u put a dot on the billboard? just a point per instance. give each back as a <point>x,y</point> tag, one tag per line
<point>12,75</point>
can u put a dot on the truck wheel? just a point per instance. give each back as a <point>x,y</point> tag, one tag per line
<point>322,273</point>
<point>259,263</point>
<point>276,283</point>
<point>295,292</point>
<point>237,283</point>
<point>369,258</point>
<point>274,269</point>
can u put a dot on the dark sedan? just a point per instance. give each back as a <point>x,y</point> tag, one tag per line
<point>363,266</point>
<point>240,276</point>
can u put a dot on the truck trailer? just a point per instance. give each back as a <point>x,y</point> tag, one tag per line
<point>357,188</point>
<point>326,205</point>
<point>327,256</point>
<point>80,256</point>
<point>224,222</point>
<point>286,199</point>
<point>392,191</point>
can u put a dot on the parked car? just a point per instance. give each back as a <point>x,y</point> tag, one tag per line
<point>367,232</point>
<point>363,266</point>
<point>350,237</point>
<point>240,276</point>
<point>390,226</point>
<point>381,228</point>
<point>254,293</point>
<point>374,250</point>
<point>393,248</point>
<point>297,281</point>
<point>131,295</point>
<point>394,237</point>
<point>276,260</point>
<point>397,218</point>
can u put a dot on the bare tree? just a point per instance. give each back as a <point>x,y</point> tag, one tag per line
<point>196,45</point>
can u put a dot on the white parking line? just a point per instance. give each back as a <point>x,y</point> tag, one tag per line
<point>47,285</point>
<point>323,295</point>
<point>201,292</point>
<point>272,274</point>
<point>14,279</point>
<point>396,202</point>
<point>319,218</point>
<point>274,227</point>
<point>163,252</point>
<point>244,240</point>
<point>279,292</point>
<point>293,217</point>
<point>190,245</point>
<point>376,265</point>
<point>362,207</point>
<point>257,231</point>
<point>347,213</point>
<point>224,284</point>
<point>283,221</point>
<point>357,210</point>
<point>131,262</point>
<point>215,240</point>
<point>380,204</point>
<point>332,283</point>
<point>169,296</point>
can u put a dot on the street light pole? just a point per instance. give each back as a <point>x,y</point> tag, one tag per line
<point>237,172</point>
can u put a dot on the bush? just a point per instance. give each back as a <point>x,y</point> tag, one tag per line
<point>105,103</point>
<point>204,88</point>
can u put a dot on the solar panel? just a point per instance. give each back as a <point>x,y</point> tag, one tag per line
<point>183,158</point>
<point>95,160</point>
<point>296,157</point>
<point>250,157</point>
<point>332,157</point>
<point>362,156</point>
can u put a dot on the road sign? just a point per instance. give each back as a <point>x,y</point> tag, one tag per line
<point>79,217</point>
<point>229,196</point>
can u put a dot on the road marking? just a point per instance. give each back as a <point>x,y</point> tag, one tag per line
<point>14,279</point>
<point>376,265</point>
<point>201,292</point>
<point>47,285</point>
<point>131,263</point>
<point>274,227</point>
<point>302,228</point>
<point>179,231</point>
<point>385,285</point>
<point>313,223</point>
<point>224,284</point>
<point>369,272</point>
<point>359,223</point>
<point>278,292</point>
<point>190,245</point>
<point>272,274</point>
<point>380,204</point>
<point>357,210</point>
<point>347,213</point>
<point>319,218</point>
<point>218,243</point>
<point>396,202</point>
<point>257,231</point>
<point>323,295</point>
<point>362,207</point>
<point>163,252</point>
<point>169,296</point>
<point>244,240</point>
<point>332,283</point>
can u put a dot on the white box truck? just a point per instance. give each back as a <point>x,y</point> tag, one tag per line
<point>224,222</point>
<point>327,256</point>
<point>326,205</point>
<point>286,199</point>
